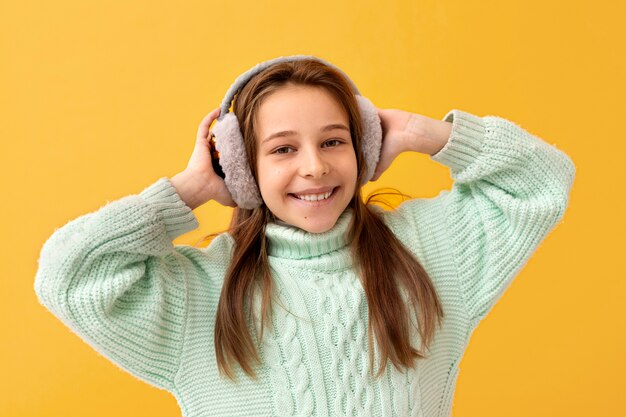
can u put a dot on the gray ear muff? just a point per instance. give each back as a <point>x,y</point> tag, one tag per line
<point>239,180</point>
<point>371,142</point>
<point>229,140</point>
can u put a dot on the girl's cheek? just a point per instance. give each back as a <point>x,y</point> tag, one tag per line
<point>276,169</point>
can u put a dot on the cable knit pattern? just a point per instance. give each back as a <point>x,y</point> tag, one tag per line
<point>342,306</point>
<point>286,357</point>
<point>115,279</point>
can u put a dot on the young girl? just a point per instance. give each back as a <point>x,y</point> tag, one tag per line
<point>339,288</point>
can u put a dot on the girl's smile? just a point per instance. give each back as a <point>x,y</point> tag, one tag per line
<point>315,198</point>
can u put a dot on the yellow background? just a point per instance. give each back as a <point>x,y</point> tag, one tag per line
<point>100,99</point>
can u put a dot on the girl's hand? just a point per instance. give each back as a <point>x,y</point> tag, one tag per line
<point>199,182</point>
<point>400,129</point>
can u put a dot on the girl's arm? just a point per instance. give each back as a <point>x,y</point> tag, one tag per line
<point>115,278</point>
<point>510,190</point>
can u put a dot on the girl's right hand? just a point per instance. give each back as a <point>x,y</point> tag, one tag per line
<point>199,171</point>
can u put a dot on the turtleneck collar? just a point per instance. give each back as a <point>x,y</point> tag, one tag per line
<point>328,250</point>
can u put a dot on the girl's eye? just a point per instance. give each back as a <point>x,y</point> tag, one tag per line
<point>279,150</point>
<point>285,149</point>
<point>334,140</point>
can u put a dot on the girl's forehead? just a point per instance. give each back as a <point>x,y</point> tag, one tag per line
<point>307,108</point>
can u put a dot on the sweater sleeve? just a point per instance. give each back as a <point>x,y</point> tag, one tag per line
<point>114,278</point>
<point>510,190</point>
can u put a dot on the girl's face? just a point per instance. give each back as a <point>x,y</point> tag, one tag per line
<point>306,165</point>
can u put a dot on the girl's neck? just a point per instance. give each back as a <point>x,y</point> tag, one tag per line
<point>291,242</point>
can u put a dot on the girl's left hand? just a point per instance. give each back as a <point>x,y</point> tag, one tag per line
<point>399,129</point>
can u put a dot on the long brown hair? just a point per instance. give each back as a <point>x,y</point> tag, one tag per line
<point>382,262</point>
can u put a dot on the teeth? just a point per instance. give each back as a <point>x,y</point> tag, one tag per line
<point>314,197</point>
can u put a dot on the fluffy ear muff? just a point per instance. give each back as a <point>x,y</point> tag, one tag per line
<point>239,180</point>
<point>372,139</point>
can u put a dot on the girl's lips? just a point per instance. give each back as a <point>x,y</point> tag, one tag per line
<point>317,203</point>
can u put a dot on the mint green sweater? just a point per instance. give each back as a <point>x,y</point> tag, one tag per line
<point>115,278</point>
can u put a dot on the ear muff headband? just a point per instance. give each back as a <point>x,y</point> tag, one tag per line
<point>246,76</point>
<point>229,140</point>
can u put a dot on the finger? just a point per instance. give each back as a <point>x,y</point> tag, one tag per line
<point>382,119</point>
<point>381,167</point>
<point>203,128</point>
<point>376,174</point>
<point>207,120</point>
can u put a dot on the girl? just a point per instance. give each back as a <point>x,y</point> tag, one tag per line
<point>338,287</point>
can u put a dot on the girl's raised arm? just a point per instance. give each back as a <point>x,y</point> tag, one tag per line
<point>510,190</point>
<point>115,278</point>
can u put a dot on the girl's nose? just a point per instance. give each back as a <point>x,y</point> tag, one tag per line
<point>313,165</point>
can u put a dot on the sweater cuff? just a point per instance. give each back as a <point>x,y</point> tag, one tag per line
<point>465,141</point>
<point>177,216</point>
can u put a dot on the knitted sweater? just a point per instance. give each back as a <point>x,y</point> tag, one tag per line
<point>115,278</point>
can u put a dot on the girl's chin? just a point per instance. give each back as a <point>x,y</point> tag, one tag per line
<point>309,225</point>
<point>316,231</point>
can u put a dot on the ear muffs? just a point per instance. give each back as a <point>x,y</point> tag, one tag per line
<point>232,153</point>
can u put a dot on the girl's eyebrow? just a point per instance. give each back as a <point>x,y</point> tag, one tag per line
<point>285,133</point>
